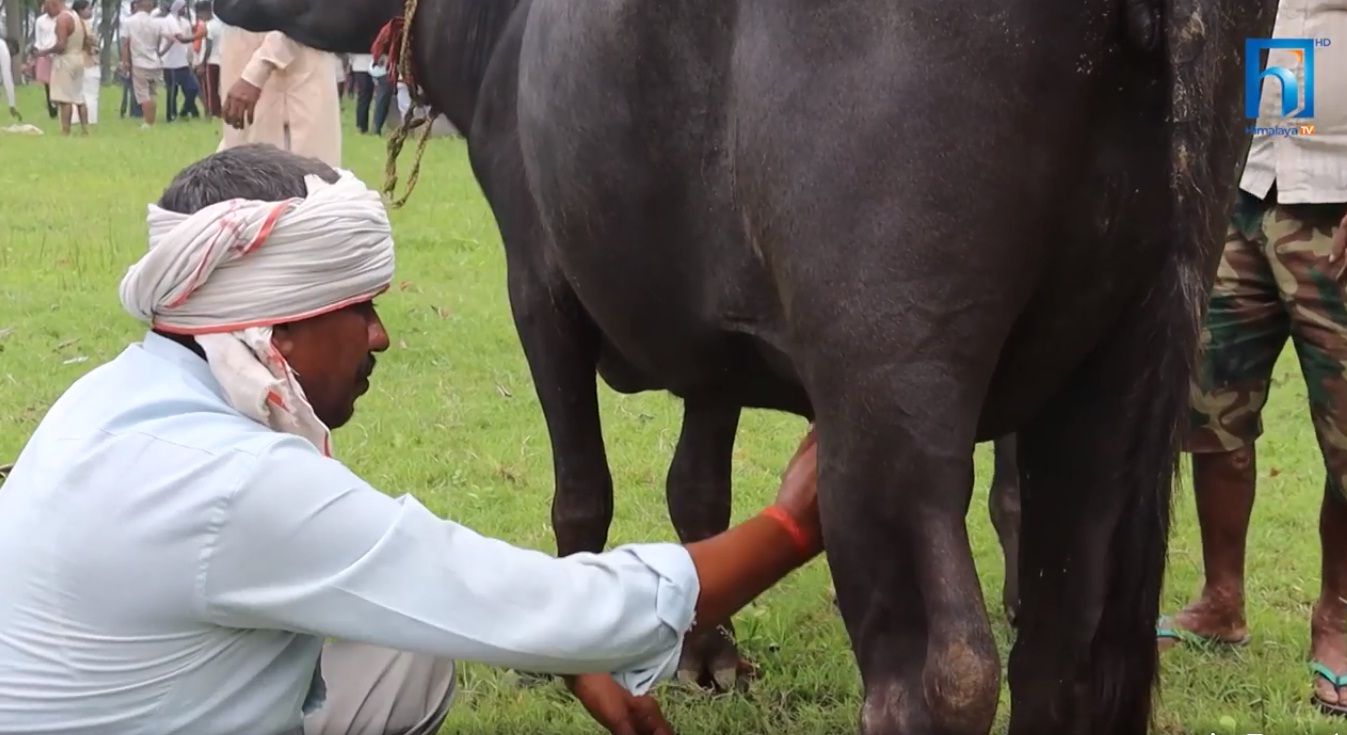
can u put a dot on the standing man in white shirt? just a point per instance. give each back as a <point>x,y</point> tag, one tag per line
<point>210,58</point>
<point>184,554</point>
<point>1280,277</point>
<point>68,55</point>
<point>364,89</point>
<point>44,37</point>
<point>142,35</point>
<point>93,67</point>
<point>383,94</point>
<point>281,92</point>
<point>176,63</point>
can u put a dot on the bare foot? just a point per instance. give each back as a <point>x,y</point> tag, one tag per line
<point>1216,616</point>
<point>1328,646</point>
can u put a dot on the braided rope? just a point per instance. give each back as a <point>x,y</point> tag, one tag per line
<point>417,116</point>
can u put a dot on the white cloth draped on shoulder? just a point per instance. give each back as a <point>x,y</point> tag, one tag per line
<point>229,272</point>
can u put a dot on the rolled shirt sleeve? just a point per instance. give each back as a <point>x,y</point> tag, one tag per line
<point>305,545</point>
<point>277,52</point>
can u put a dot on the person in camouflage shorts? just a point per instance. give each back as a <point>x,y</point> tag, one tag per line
<point>1274,282</point>
<point>1280,276</point>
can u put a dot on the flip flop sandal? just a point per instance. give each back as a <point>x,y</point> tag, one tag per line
<point>1163,630</point>
<point>1327,674</point>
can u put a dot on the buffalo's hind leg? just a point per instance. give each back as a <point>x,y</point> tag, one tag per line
<point>699,493</point>
<point>1098,466</point>
<point>1003,504</point>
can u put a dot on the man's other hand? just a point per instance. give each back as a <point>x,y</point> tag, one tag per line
<point>615,708</point>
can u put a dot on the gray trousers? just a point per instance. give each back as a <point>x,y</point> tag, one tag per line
<point>378,691</point>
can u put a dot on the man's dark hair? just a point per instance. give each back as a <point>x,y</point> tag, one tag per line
<point>79,5</point>
<point>256,171</point>
<point>204,6</point>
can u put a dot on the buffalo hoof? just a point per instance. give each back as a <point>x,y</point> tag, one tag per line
<point>711,662</point>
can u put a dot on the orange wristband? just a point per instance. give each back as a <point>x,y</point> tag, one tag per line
<point>792,527</point>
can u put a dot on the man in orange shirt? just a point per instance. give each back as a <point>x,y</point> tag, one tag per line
<point>388,47</point>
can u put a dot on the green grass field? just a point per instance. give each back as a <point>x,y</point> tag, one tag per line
<point>452,418</point>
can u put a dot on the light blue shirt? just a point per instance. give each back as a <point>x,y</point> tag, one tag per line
<point>168,565</point>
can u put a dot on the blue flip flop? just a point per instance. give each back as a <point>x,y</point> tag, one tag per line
<point>1163,630</point>
<point>1336,680</point>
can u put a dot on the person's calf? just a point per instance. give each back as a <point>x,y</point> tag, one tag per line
<point>1223,486</point>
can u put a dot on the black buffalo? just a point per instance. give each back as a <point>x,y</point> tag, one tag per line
<point>920,224</point>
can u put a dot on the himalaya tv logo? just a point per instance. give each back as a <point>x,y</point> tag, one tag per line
<point>1296,101</point>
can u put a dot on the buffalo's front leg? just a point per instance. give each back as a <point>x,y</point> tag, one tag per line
<point>560,341</point>
<point>561,345</point>
<point>698,488</point>
<point>1003,503</point>
<point>894,488</point>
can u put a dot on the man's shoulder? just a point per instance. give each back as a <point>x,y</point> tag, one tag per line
<point>131,420</point>
<point>143,395</point>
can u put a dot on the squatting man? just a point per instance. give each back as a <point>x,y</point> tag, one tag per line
<point>184,554</point>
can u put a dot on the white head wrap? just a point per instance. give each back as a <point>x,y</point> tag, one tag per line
<point>227,273</point>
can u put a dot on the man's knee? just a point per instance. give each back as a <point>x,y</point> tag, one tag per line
<point>378,690</point>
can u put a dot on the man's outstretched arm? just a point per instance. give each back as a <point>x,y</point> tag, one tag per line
<point>305,545</point>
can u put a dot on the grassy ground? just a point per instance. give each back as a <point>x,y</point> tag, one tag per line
<point>453,419</point>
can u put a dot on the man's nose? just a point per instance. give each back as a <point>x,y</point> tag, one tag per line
<point>378,336</point>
